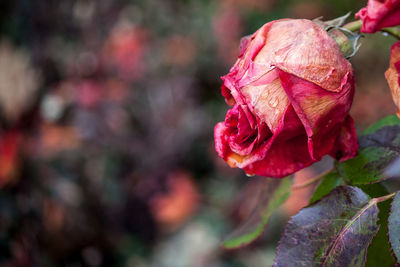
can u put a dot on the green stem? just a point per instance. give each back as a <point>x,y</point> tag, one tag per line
<point>356,25</point>
<point>312,180</point>
<point>394,31</point>
<point>353,26</point>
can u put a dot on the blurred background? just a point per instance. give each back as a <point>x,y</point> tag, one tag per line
<point>107,111</point>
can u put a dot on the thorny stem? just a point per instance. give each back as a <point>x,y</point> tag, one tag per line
<point>312,180</point>
<point>355,26</point>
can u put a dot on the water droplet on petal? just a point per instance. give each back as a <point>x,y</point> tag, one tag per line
<point>273,102</point>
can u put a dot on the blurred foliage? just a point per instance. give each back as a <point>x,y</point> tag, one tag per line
<point>106,150</point>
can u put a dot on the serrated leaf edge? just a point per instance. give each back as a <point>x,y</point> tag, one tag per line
<point>365,256</point>
<point>388,233</point>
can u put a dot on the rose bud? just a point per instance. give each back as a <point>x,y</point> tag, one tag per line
<point>379,14</point>
<point>393,75</point>
<point>291,90</point>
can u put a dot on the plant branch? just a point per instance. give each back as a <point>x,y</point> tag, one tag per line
<point>356,25</point>
<point>312,180</point>
<point>353,26</point>
<point>383,198</point>
<point>394,31</point>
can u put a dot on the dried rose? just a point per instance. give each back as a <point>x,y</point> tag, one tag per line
<point>291,90</point>
<point>379,14</point>
<point>393,75</point>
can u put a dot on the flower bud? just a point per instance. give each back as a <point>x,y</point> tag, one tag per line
<point>393,75</point>
<point>291,90</point>
<point>379,14</point>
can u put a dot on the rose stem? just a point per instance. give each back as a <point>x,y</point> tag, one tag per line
<point>395,32</point>
<point>355,26</point>
<point>383,198</point>
<point>312,180</point>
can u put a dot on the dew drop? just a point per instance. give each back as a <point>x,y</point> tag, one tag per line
<point>273,102</point>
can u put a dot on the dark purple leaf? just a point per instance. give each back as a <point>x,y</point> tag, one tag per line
<point>393,170</point>
<point>335,231</point>
<point>394,226</point>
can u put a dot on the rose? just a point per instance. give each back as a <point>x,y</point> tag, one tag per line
<point>379,14</point>
<point>291,90</point>
<point>393,75</point>
<point>10,144</point>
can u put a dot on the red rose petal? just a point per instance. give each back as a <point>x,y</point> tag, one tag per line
<point>319,110</point>
<point>346,145</point>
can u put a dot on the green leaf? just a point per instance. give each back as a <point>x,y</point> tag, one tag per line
<point>329,182</point>
<point>274,194</point>
<point>335,231</point>
<point>379,250</point>
<point>373,190</point>
<point>379,146</point>
<point>334,23</point>
<point>337,22</point>
<point>392,120</point>
<point>394,226</point>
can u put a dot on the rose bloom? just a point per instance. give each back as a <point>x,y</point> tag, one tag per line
<point>393,75</point>
<point>10,144</point>
<point>291,90</point>
<point>379,14</point>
